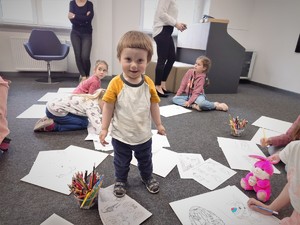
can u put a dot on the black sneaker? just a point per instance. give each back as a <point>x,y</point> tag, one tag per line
<point>119,189</point>
<point>152,185</point>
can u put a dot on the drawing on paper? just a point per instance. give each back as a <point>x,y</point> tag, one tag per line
<point>202,216</point>
<point>188,163</point>
<point>240,210</point>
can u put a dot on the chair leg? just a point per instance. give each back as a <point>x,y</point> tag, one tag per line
<point>49,72</point>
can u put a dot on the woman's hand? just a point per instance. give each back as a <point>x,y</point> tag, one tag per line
<point>181,26</point>
<point>71,15</point>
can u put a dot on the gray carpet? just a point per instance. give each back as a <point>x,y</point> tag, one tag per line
<point>196,132</point>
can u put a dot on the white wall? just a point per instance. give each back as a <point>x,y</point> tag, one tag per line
<point>270,27</point>
<point>274,34</point>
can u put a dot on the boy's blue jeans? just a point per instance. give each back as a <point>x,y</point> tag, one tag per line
<point>68,122</point>
<point>201,101</point>
<point>123,156</point>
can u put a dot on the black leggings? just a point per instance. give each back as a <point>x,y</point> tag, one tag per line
<point>165,54</point>
<point>82,45</point>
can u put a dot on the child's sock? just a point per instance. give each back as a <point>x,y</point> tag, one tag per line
<point>5,144</point>
<point>50,127</point>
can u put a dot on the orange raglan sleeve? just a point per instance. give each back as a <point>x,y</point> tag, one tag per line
<point>113,89</point>
<point>154,97</point>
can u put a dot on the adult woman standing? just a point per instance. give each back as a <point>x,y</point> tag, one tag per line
<point>81,14</point>
<point>165,20</point>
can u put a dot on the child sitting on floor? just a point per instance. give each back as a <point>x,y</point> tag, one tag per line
<point>290,194</point>
<point>193,84</point>
<point>73,113</point>
<point>90,85</point>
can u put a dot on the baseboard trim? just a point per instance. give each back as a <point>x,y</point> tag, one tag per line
<point>294,94</point>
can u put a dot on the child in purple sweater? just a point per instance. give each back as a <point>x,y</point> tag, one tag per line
<point>193,84</point>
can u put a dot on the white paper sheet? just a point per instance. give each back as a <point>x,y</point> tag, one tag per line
<point>65,90</point>
<point>211,174</point>
<point>99,146</point>
<point>34,111</point>
<point>56,220</point>
<point>52,95</point>
<point>220,207</point>
<point>186,163</point>
<point>54,169</point>
<point>159,141</point>
<point>272,124</point>
<point>163,161</point>
<point>237,153</point>
<point>116,211</point>
<point>173,110</point>
<point>260,134</point>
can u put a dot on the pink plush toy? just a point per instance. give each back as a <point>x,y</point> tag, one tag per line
<point>259,179</point>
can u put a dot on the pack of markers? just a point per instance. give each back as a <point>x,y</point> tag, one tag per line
<point>85,188</point>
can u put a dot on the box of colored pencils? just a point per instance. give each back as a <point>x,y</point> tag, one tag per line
<point>85,189</point>
<point>237,125</point>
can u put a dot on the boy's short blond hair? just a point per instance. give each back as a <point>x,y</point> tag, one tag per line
<point>135,39</point>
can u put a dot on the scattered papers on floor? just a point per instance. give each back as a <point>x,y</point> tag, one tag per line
<point>211,174</point>
<point>115,211</point>
<point>261,132</point>
<point>54,169</point>
<point>272,124</point>
<point>187,162</point>
<point>173,110</point>
<point>53,95</point>
<point>65,90</point>
<point>55,220</point>
<point>223,206</point>
<point>35,112</point>
<point>237,153</point>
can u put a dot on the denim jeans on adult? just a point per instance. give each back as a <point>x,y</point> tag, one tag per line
<point>123,156</point>
<point>68,122</point>
<point>201,101</point>
<point>82,45</point>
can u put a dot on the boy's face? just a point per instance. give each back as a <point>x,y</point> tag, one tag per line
<point>199,67</point>
<point>134,63</point>
<point>101,70</point>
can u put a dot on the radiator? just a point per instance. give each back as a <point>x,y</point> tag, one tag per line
<point>23,62</point>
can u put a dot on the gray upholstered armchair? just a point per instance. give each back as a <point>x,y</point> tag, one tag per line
<point>44,45</point>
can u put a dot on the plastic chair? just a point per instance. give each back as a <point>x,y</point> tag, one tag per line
<point>44,45</point>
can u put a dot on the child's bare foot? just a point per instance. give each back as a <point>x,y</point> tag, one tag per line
<point>196,106</point>
<point>221,106</point>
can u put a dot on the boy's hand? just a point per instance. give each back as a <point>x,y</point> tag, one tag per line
<point>161,130</point>
<point>102,137</point>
